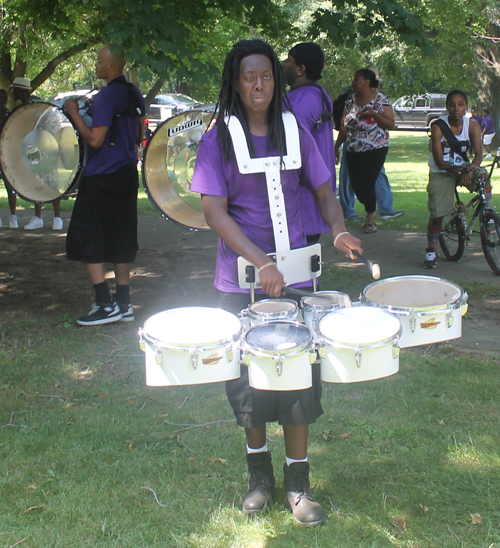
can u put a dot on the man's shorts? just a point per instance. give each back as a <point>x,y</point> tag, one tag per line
<point>487,138</point>
<point>441,194</point>
<point>103,226</point>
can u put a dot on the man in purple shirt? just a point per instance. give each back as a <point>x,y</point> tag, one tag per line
<point>103,225</point>
<point>487,132</point>
<point>313,109</point>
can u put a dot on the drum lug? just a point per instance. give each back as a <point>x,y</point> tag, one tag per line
<point>395,350</point>
<point>464,304</point>
<point>142,344</point>
<point>413,321</point>
<point>322,351</point>
<point>279,365</point>
<point>245,358</point>
<point>313,356</point>
<point>194,357</point>
<point>358,356</point>
<point>229,353</point>
<point>158,356</point>
<point>449,318</point>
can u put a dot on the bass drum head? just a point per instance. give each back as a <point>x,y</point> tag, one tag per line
<point>168,167</point>
<point>41,155</point>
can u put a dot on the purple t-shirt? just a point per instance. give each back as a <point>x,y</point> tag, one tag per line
<point>248,202</point>
<point>307,105</point>
<point>488,124</point>
<point>111,100</point>
<point>478,119</point>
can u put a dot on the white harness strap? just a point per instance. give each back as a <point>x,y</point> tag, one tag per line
<point>271,167</point>
<point>293,264</point>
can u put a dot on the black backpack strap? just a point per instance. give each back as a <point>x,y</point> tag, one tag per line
<point>133,109</point>
<point>326,114</point>
<point>451,138</point>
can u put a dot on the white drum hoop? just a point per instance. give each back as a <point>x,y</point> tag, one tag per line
<point>42,156</point>
<point>269,348</point>
<point>168,166</point>
<point>406,304</point>
<point>268,310</point>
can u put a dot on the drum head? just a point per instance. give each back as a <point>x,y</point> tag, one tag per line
<point>273,306</point>
<point>279,337</point>
<point>41,155</point>
<point>168,168</point>
<point>188,326</point>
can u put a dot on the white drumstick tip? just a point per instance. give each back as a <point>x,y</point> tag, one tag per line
<point>375,271</point>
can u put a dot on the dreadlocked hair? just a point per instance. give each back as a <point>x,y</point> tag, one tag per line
<point>229,101</point>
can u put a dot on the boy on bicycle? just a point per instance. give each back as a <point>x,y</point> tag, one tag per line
<point>452,137</point>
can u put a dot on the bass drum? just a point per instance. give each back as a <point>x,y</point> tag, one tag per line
<point>168,167</point>
<point>41,154</point>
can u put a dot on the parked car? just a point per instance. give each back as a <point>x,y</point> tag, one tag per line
<point>418,111</point>
<point>166,106</point>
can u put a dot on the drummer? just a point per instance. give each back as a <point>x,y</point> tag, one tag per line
<point>236,207</point>
<point>103,225</point>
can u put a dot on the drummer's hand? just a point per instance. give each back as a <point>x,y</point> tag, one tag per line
<point>71,106</point>
<point>347,243</point>
<point>272,281</point>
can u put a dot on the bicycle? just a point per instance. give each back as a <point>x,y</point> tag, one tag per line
<point>459,225</point>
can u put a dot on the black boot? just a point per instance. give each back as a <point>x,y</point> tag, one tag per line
<point>298,497</point>
<point>261,483</point>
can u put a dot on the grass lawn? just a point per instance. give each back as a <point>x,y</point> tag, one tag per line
<point>91,457</point>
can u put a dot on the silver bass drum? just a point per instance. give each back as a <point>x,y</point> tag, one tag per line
<point>168,167</point>
<point>41,154</point>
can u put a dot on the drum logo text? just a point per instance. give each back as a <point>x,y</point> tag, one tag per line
<point>430,324</point>
<point>184,127</point>
<point>212,360</point>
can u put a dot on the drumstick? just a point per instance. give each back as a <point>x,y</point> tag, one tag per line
<point>373,267</point>
<point>302,293</point>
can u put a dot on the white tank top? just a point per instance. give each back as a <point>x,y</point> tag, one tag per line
<point>450,157</point>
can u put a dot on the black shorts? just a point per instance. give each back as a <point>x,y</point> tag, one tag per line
<point>103,226</point>
<point>253,407</point>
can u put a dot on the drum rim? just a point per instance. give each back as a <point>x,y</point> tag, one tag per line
<point>296,351</point>
<point>406,310</point>
<point>169,345</point>
<point>311,307</point>
<point>326,340</point>
<point>256,315</point>
<point>81,157</point>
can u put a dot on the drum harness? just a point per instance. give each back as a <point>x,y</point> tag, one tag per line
<point>133,109</point>
<point>296,265</point>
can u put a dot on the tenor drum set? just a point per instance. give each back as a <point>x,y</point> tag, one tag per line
<point>280,341</point>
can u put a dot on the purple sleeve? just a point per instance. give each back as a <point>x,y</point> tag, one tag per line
<point>103,109</point>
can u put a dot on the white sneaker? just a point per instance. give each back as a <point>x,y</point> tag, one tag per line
<point>57,223</point>
<point>488,156</point>
<point>35,223</point>
<point>13,221</point>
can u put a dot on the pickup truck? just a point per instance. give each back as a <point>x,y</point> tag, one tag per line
<point>418,111</point>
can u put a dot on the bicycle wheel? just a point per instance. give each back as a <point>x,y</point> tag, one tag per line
<point>452,237</point>
<point>490,238</point>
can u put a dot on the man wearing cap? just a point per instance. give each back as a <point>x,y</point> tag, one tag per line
<point>313,109</point>
<point>103,226</point>
<point>21,91</point>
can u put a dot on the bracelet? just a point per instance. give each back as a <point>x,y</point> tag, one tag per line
<point>337,237</point>
<point>270,263</point>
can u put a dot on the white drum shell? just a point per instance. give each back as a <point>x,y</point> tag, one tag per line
<point>207,353</point>
<point>279,370</point>
<point>430,309</point>
<point>314,309</point>
<point>359,344</point>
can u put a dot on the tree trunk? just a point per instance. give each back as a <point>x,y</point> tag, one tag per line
<point>488,76</point>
